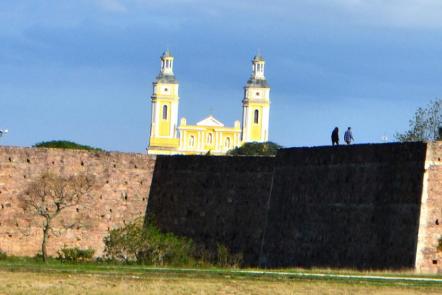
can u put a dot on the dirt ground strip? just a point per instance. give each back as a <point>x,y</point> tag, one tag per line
<point>59,283</point>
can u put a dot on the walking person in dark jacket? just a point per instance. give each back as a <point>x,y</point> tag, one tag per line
<point>348,136</point>
<point>335,136</point>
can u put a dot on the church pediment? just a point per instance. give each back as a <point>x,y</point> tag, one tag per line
<point>210,121</point>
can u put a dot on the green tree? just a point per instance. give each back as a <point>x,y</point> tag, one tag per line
<point>424,126</point>
<point>255,149</point>
<point>65,144</point>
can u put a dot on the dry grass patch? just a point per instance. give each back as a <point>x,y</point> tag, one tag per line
<point>59,283</point>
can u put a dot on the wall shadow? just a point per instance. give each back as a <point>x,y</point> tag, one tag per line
<point>349,206</point>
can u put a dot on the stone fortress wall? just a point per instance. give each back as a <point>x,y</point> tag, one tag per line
<point>213,200</point>
<point>350,207</point>
<point>428,258</point>
<point>119,195</point>
<point>362,206</point>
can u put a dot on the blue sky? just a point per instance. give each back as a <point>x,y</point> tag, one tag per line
<point>82,70</point>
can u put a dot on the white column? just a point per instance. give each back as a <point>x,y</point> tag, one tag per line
<point>153,122</point>
<point>248,123</point>
<point>173,119</point>
<point>157,116</point>
<point>265,124</point>
<point>245,125</point>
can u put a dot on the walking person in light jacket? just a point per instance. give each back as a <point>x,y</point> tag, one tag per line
<point>348,136</point>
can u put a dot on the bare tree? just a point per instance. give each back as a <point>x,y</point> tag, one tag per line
<point>50,194</point>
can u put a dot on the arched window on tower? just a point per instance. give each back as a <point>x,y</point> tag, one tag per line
<point>256,117</point>
<point>164,112</point>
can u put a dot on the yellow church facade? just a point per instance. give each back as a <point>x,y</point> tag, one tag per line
<point>209,135</point>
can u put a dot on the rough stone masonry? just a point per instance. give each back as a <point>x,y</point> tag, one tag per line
<point>119,196</point>
<point>362,206</point>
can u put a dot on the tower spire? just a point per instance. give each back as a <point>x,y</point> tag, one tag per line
<point>167,63</point>
<point>258,63</point>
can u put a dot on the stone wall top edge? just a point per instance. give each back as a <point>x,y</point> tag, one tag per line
<point>73,151</point>
<point>214,157</point>
<point>230,160</point>
<point>363,146</point>
<point>214,164</point>
<point>356,148</point>
<point>413,152</point>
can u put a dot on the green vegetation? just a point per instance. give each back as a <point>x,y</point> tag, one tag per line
<point>424,126</point>
<point>114,267</point>
<point>255,149</point>
<point>31,276</point>
<point>227,259</point>
<point>135,243</point>
<point>75,254</point>
<point>439,244</point>
<point>129,248</point>
<point>64,144</point>
<point>147,245</point>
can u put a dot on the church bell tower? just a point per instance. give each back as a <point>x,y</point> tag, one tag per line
<point>163,133</point>
<point>256,104</point>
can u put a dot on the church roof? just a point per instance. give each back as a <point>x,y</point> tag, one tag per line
<point>210,121</point>
<point>163,78</point>
<point>262,83</point>
<point>258,57</point>
<point>167,53</point>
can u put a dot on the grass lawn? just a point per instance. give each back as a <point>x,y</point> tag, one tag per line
<point>26,276</point>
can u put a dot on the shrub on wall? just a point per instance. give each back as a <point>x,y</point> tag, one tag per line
<point>255,149</point>
<point>65,144</point>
